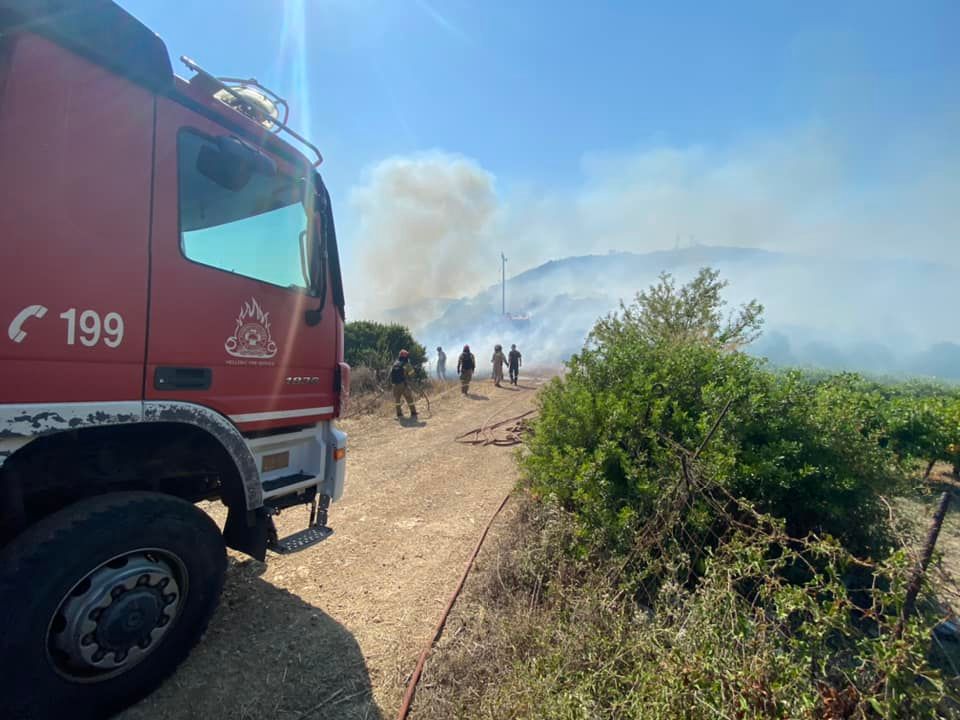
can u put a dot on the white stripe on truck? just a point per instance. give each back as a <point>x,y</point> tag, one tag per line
<point>281,414</point>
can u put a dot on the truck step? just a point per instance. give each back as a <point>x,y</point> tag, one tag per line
<point>301,540</point>
<point>271,486</point>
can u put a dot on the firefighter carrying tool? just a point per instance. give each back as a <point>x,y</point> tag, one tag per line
<point>400,375</point>
<point>466,364</point>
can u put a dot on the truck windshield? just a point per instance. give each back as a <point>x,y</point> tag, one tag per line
<point>254,231</point>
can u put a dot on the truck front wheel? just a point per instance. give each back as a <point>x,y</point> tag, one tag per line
<point>102,600</point>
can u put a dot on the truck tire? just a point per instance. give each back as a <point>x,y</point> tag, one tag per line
<point>101,601</point>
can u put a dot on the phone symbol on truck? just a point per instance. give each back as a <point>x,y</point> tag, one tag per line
<point>16,332</point>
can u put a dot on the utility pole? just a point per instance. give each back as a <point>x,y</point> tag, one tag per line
<point>503,283</point>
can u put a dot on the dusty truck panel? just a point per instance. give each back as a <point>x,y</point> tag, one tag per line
<point>171,331</point>
<point>33,420</point>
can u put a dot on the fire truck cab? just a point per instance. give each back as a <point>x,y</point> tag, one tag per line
<point>171,331</point>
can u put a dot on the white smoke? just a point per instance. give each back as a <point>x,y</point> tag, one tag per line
<point>424,222</point>
<point>432,226</point>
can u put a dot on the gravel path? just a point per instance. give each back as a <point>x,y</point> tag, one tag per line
<point>333,631</point>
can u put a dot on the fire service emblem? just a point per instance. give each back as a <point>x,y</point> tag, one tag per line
<point>251,337</point>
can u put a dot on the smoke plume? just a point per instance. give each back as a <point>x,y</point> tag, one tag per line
<point>424,222</point>
<point>863,243</point>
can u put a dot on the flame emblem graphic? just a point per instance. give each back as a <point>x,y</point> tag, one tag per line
<point>251,337</point>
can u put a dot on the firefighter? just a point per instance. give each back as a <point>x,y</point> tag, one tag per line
<point>466,364</point>
<point>400,375</point>
<point>441,364</point>
<point>514,360</point>
<point>498,360</point>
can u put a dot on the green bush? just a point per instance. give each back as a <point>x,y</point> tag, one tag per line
<point>807,451</point>
<point>923,423</point>
<point>643,586</point>
<point>376,345</point>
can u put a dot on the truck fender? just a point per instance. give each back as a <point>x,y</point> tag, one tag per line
<point>19,424</point>
<point>220,428</point>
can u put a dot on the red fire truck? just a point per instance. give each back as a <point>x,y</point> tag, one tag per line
<point>171,331</point>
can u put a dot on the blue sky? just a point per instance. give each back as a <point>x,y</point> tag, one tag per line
<point>561,104</point>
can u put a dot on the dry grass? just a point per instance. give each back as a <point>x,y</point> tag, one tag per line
<point>373,398</point>
<point>496,633</point>
<point>913,515</point>
<point>500,612</point>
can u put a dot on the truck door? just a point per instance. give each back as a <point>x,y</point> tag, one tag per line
<point>233,310</point>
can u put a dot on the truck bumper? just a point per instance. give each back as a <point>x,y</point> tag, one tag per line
<point>294,462</point>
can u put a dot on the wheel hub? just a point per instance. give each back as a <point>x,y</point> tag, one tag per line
<point>116,615</point>
<point>130,619</point>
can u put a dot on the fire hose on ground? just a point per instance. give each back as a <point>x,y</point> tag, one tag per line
<point>484,436</point>
<point>423,394</point>
<point>510,433</point>
<point>438,630</point>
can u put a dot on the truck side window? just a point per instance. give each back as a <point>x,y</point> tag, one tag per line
<point>250,223</point>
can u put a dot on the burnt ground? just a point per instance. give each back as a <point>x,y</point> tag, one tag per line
<point>334,631</point>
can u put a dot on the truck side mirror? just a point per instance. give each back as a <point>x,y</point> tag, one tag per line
<point>258,161</point>
<point>232,163</point>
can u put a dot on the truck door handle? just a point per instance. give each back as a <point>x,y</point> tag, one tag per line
<point>182,378</point>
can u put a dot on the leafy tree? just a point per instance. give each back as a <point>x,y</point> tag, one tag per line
<point>376,345</point>
<point>692,312</point>
<point>659,373</point>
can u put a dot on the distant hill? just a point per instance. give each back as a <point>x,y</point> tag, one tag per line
<point>879,315</point>
<point>615,272</point>
<point>621,268</point>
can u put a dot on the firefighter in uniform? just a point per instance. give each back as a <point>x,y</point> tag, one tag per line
<point>498,361</point>
<point>400,375</point>
<point>514,360</point>
<point>441,364</point>
<point>466,364</point>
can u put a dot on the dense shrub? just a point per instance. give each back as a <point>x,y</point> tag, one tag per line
<point>646,584</point>
<point>919,419</point>
<point>375,345</point>
<point>811,452</point>
<point>923,423</point>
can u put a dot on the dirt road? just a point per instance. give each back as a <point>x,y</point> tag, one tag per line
<point>333,631</point>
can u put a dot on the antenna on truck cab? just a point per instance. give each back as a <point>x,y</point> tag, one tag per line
<point>250,98</point>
